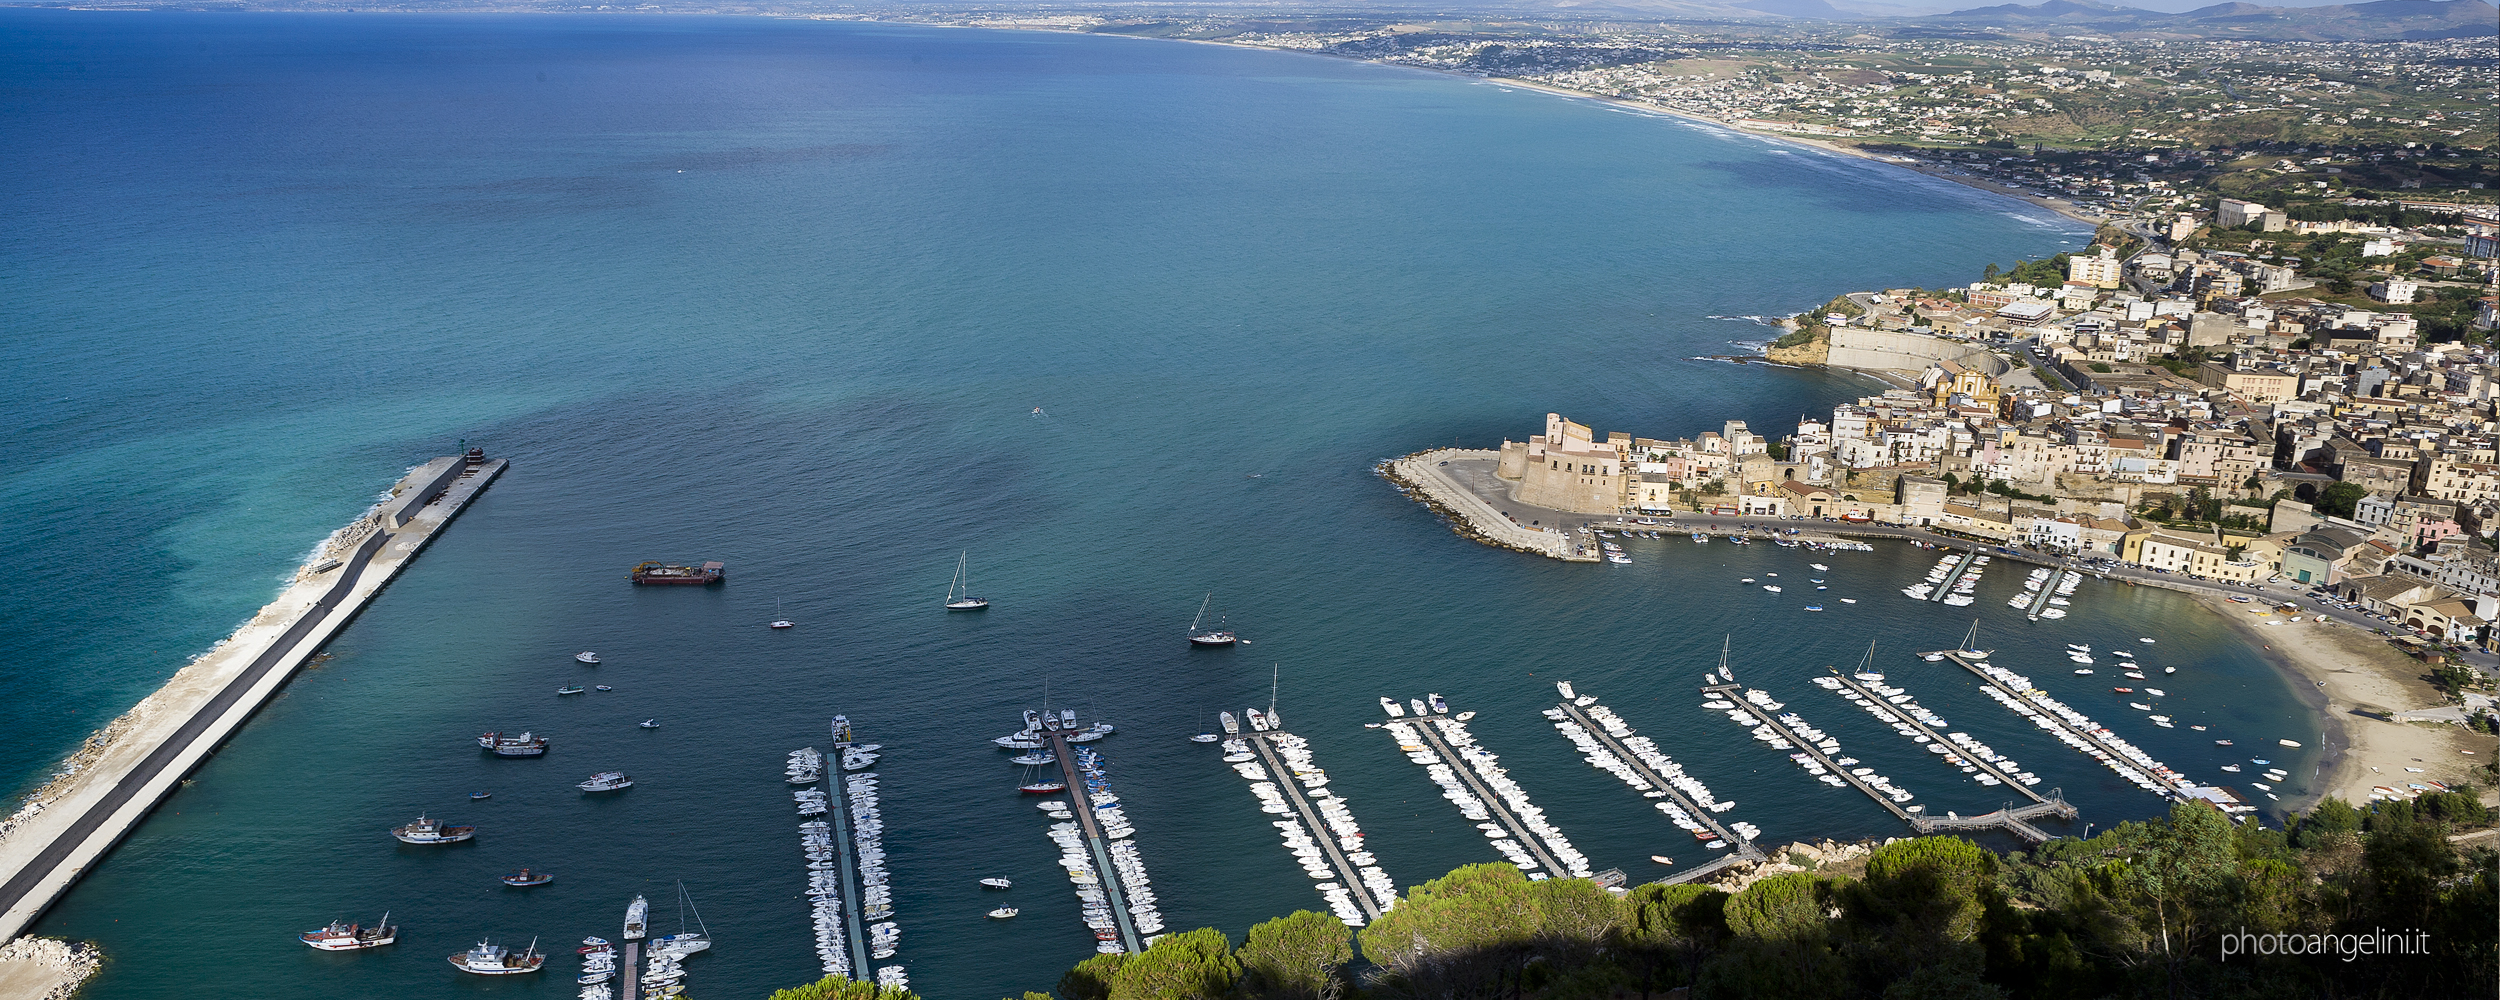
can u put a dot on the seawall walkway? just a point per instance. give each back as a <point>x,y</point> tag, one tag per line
<point>1425,474</point>
<point>70,825</point>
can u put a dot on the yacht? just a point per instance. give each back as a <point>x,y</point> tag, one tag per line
<point>1391,706</point>
<point>430,831</point>
<point>1232,726</point>
<point>637,920</point>
<point>959,593</point>
<point>1438,706</point>
<point>586,656</point>
<point>607,781</point>
<point>524,745</point>
<point>495,960</point>
<point>341,936</point>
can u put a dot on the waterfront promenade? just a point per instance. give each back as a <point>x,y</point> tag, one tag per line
<point>121,775</point>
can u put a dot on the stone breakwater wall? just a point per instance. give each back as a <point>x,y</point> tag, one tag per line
<point>33,968</point>
<point>1468,515</point>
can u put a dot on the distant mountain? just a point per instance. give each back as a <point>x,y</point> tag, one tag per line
<point>2382,20</point>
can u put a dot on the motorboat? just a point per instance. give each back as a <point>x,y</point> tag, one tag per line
<point>1391,706</point>
<point>495,960</point>
<point>1003,912</point>
<point>1438,706</point>
<point>650,723</point>
<point>1043,787</point>
<point>526,878</point>
<point>783,623</point>
<point>959,593</point>
<point>571,689</point>
<point>431,831</point>
<point>1033,759</point>
<point>601,687</point>
<point>586,656</point>
<point>607,781</point>
<point>1204,738</point>
<point>476,796</point>
<point>637,919</point>
<point>342,936</point>
<point>996,883</point>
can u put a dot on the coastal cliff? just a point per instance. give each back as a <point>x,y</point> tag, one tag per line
<point>1809,344</point>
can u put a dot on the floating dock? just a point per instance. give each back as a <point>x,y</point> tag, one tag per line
<point>2016,692</point>
<point>2013,819</point>
<point>67,828</point>
<point>1517,828</point>
<point>1355,887</point>
<point>1766,716</point>
<point>1098,847</point>
<point>1644,768</point>
<point>852,949</point>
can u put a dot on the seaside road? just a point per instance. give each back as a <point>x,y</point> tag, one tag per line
<point>103,810</point>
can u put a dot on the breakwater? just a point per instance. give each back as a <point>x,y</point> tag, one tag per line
<point>71,823</point>
<point>1469,514</point>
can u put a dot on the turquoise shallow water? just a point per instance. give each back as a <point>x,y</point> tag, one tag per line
<point>786,294</point>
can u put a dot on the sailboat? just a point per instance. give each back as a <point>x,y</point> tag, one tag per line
<point>1970,644</point>
<point>1217,636</point>
<point>684,943</point>
<point>963,601</point>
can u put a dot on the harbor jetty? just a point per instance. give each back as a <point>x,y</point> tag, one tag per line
<point>2087,737</point>
<point>1433,478</point>
<point>1092,830</point>
<point>69,825</point>
<point>1894,706</point>
<point>1318,827</point>
<point>1474,781</point>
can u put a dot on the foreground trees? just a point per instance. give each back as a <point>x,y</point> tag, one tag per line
<point>2156,909</point>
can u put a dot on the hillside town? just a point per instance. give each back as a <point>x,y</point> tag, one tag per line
<point>2212,413</point>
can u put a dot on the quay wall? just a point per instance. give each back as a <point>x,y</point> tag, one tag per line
<point>1469,514</point>
<point>1893,351</point>
<point>72,824</point>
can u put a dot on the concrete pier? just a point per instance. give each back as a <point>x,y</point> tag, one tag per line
<point>70,826</point>
<point>1968,566</point>
<point>1938,739</point>
<point>1430,478</point>
<point>1544,854</point>
<point>1098,846</point>
<point>2114,757</point>
<point>1736,693</point>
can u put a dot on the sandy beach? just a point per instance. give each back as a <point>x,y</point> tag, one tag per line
<point>2356,680</point>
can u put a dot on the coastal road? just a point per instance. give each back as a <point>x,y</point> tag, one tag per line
<point>2277,593</point>
<point>103,809</point>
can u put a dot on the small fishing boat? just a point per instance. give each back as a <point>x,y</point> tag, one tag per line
<point>571,689</point>
<point>1662,859</point>
<point>586,656</point>
<point>1003,913</point>
<point>526,878</point>
<point>432,831</point>
<point>2222,743</point>
<point>1464,716</point>
<point>1814,607</point>
<point>495,960</point>
<point>1204,738</point>
<point>601,687</point>
<point>2289,743</point>
<point>650,723</point>
<point>996,883</point>
<point>342,936</point>
<point>475,796</point>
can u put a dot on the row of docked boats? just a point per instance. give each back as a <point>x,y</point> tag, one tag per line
<point>806,767</point>
<point>1659,766</point>
<point>824,896</point>
<point>1063,724</point>
<point>2077,730</point>
<point>1126,863</point>
<point>1338,888</point>
<point>1937,576</point>
<point>1894,707</point>
<point>1488,770</point>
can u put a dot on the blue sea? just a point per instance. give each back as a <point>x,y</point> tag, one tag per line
<point>1128,322</point>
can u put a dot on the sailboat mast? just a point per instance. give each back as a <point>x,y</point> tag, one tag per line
<point>1274,671</point>
<point>1202,611</point>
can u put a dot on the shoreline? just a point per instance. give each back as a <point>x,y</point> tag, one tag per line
<point>2353,680</point>
<point>2045,203</point>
